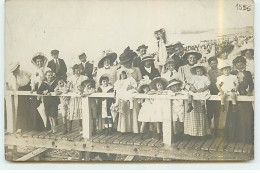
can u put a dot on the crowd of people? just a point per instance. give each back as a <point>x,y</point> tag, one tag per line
<point>173,70</point>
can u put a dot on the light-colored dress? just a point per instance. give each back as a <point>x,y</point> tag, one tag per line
<point>64,100</point>
<point>75,106</point>
<point>228,82</point>
<point>200,82</point>
<point>177,106</point>
<point>145,111</point>
<point>162,53</point>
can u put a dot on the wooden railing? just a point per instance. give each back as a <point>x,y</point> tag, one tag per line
<point>87,119</point>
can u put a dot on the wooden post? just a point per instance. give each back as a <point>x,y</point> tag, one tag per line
<point>86,118</point>
<point>167,123</point>
<point>10,110</point>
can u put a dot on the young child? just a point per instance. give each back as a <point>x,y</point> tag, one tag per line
<point>158,86</point>
<point>227,85</point>
<point>105,104</point>
<point>75,105</point>
<point>177,108</point>
<point>144,115</point>
<point>199,86</point>
<point>63,89</point>
<point>125,87</point>
<point>50,103</point>
<point>88,88</point>
<point>170,72</point>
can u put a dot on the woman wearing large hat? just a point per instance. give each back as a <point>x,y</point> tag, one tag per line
<point>248,53</point>
<point>127,120</point>
<point>148,68</point>
<point>19,80</point>
<point>105,66</point>
<point>195,122</point>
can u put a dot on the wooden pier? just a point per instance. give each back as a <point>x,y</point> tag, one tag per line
<point>210,149</point>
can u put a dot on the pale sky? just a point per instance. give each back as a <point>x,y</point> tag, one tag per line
<point>75,26</point>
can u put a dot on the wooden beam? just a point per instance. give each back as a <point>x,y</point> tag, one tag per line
<point>86,119</point>
<point>129,158</point>
<point>167,123</point>
<point>10,110</point>
<point>31,154</point>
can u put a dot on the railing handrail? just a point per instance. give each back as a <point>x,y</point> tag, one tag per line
<point>137,95</point>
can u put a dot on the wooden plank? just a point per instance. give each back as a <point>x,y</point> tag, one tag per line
<point>247,148</point>
<point>146,142</point>
<point>198,144</point>
<point>105,139</point>
<point>139,141</point>
<point>230,147</point>
<point>222,145</point>
<point>207,144</point>
<point>111,140</point>
<point>10,111</point>
<point>167,123</point>
<point>86,119</point>
<point>135,138</point>
<point>118,140</point>
<point>152,142</point>
<point>129,158</point>
<point>239,148</point>
<point>99,138</point>
<point>191,144</point>
<point>129,137</point>
<point>159,143</point>
<point>31,154</point>
<point>182,144</point>
<point>72,135</point>
<point>215,145</point>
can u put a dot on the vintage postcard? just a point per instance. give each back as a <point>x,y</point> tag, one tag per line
<point>129,80</point>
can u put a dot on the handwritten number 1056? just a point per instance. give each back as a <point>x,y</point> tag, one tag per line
<point>243,7</point>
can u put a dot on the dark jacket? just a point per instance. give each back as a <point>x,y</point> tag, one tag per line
<point>87,70</point>
<point>62,71</point>
<point>50,88</point>
<point>179,61</point>
<point>154,72</point>
<point>138,62</point>
<point>247,82</point>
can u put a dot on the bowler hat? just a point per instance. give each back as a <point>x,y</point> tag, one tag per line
<point>107,54</point>
<point>142,47</point>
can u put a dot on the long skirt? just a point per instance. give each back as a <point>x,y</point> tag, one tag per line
<point>128,118</point>
<point>75,108</point>
<point>196,122</point>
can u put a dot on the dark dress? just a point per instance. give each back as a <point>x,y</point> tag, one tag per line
<point>50,102</point>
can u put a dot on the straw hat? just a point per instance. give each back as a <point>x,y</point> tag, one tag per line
<point>224,65</point>
<point>158,79</point>
<point>107,54</point>
<point>174,82</point>
<point>147,57</point>
<point>193,69</point>
<point>13,66</point>
<point>39,55</point>
<point>192,52</point>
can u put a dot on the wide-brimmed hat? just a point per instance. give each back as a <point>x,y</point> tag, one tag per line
<point>224,48</point>
<point>239,59</point>
<point>91,81</point>
<point>13,66</point>
<point>193,69</point>
<point>147,57</point>
<point>107,54</point>
<point>192,52</point>
<point>104,76</point>
<point>127,55</point>
<point>174,82</point>
<point>54,52</point>
<point>143,82</point>
<point>39,55</point>
<point>142,47</point>
<point>224,65</point>
<point>158,79</point>
<point>178,44</point>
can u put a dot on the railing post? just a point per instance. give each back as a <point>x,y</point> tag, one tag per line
<point>10,110</point>
<point>167,123</point>
<point>86,119</point>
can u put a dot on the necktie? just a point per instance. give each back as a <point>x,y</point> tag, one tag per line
<point>57,66</point>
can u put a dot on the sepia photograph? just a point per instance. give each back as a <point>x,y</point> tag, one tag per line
<point>129,81</point>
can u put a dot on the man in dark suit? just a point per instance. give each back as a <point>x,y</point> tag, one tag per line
<point>177,54</point>
<point>138,60</point>
<point>148,69</point>
<point>57,65</point>
<point>85,66</point>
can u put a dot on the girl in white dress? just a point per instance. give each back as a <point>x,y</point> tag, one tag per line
<point>158,86</point>
<point>199,86</point>
<point>160,35</point>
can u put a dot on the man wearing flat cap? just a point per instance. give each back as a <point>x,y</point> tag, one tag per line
<point>57,65</point>
<point>85,66</point>
<point>141,52</point>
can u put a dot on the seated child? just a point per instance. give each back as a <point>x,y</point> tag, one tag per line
<point>158,86</point>
<point>64,100</point>
<point>50,102</point>
<point>88,88</point>
<point>170,73</point>
<point>227,85</point>
<point>144,115</point>
<point>125,87</point>
<point>177,108</point>
<point>199,86</point>
<point>105,87</point>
